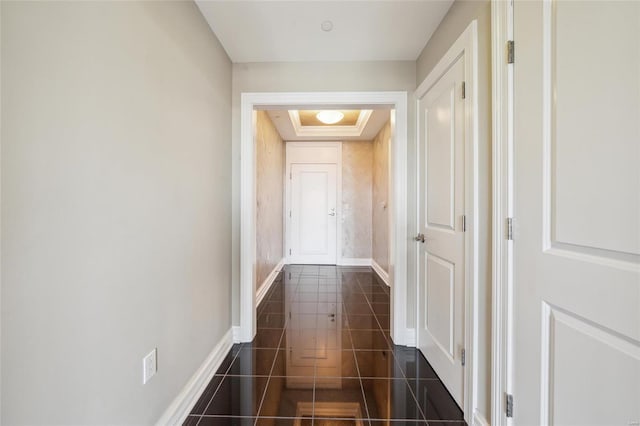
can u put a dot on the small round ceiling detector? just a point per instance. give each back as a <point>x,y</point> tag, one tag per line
<point>326,26</point>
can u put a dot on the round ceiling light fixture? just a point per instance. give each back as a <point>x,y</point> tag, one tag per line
<point>326,26</point>
<point>330,116</point>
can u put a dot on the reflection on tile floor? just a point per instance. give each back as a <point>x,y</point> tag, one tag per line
<point>323,356</point>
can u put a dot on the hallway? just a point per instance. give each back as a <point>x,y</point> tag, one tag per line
<point>322,356</point>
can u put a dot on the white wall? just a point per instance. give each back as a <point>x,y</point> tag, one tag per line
<point>310,77</point>
<point>116,190</point>
<point>454,23</point>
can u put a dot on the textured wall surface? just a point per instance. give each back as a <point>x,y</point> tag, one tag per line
<point>357,161</point>
<point>454,23</point>
<point>116,207</point>
<point>380,200</point>
<point>270,156</point>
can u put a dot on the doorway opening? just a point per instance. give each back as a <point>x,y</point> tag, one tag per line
<point>395,103</point>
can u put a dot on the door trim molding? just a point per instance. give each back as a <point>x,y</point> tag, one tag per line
<point>465,46</point>
<point>398,211</point>
<point>502,179</point>
<point>337,145</point>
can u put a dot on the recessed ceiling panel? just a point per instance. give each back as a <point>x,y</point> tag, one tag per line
<point>308,118</point>
<point>368,124</point>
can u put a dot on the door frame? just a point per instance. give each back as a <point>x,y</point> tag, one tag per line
<point>287,226</point>
<point>398,176</point>
<point>503,198</point>
<point>465,46</point>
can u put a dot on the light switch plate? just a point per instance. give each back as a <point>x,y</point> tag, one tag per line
<point>149,366</point>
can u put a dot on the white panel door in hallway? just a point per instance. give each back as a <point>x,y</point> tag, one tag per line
<point>313,224</point>
<point>576,245</point>
<point>441,268</point>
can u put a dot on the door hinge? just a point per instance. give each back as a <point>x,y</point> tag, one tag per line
<point>509,407</point>
<point>289,213</point>
<point>290,175</point>
<point>509,230</point>
<point>463,356</point>
<point>510,52</point>
<point>289,252</point>
<point>464,223</point>
<point>464,90</point>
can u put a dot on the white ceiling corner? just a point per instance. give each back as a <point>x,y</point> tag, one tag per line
<point>371,30</point>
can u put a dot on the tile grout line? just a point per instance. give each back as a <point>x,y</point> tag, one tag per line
<point>355,360</point>
<point>406,381</point>
<point>318,277</point>
<point>315,362</point>
<point>273,363</point>
<point>219,384</point>
<point>375,315</point>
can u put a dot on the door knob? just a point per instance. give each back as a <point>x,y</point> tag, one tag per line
<point>420,238</point>
<point>332,212</point>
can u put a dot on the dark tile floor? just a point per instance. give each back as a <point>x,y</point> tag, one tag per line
<point>322,356</point>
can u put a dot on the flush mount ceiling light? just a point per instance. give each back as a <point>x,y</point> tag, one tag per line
<point>329,117</point>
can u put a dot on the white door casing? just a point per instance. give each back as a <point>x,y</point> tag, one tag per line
<point>502,201</point>
<point>249,102</point>
<point>447,164</point>
<point>441,206</point>
<point>576,242</point>
<point>313,192</point>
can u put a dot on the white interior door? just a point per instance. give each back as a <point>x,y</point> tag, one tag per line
<point>313,213</point>
<point>441,267</point>
<point>576,246</point>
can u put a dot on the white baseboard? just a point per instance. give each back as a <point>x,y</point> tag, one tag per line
<point>266,284</point>
<point>237,331</point>
<point>179,409</point>
<point>479,420</point>
<point>354,261</point>
<point>384,276</point>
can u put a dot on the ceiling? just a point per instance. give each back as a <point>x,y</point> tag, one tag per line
<point>372,30</point>
<point>292,129</point>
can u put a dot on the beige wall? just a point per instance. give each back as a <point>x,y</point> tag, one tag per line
<point>309,77</point>
<point>116,191</point>
<point>356,199</point>
<point>455,22</point>
<point>380,200</point>
<point>270,157</point>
